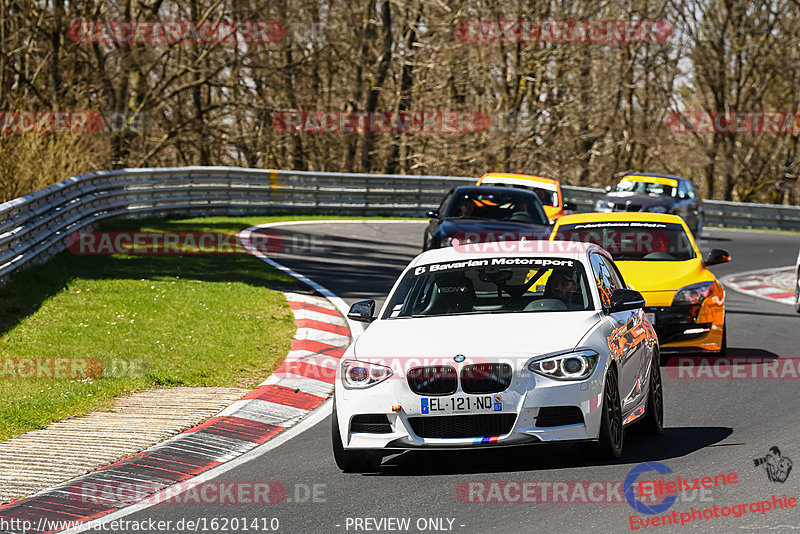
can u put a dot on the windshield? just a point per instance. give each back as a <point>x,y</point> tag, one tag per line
<point>632,240</point>
<point>506,206</point>
<point>547,196</point>
<point>646,188</point>
<point>492,285</point>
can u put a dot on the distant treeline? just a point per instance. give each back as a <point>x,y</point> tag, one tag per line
<point>580,91</point>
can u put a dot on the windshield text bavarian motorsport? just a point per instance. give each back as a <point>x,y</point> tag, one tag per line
<point>493,262</point>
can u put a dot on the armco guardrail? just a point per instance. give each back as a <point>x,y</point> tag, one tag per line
<point>34,227</point>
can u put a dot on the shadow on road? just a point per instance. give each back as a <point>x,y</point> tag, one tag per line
<point>675,442</point>
<point>674,360</point>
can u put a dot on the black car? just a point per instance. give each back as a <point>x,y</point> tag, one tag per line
<point>485,210</point>
<point>656,193</point>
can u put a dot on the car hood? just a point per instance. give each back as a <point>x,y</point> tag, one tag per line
<point>666,277</point>
<point>451,227</point>
<point>641,200</point>
<point>475,336</point>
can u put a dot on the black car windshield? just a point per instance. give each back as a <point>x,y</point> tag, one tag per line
<point>506,206</point>
<point>646,188</point>
<point>632,240</point>
<point>491,285</point>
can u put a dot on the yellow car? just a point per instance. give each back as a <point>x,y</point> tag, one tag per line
<point>658,256</point>
<point>549,191</point>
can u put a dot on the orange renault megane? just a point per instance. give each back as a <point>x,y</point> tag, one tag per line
<point>549,190</point>
<point>658,256</point>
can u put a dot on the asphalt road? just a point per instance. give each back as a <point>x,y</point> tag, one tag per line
<point>712,426</point>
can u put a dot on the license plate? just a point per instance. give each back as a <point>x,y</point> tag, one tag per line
<point>651,317</point>
<point>461,404</point>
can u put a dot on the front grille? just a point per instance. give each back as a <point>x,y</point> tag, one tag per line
<point>619,206</point>
<point>559,416</point>
<point>463,426</point>
<point>371,424</point>
<point>485,377</point>
<point>433,380</point>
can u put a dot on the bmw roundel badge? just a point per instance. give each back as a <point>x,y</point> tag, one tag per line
<point>459,358</point>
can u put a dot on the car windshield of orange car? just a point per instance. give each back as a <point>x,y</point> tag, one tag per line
<point>510,206</point>
<point>632,240</point>
<point>548,197</point>
<point>646,188</point>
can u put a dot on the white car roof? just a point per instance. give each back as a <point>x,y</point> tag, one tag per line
<point>489,180</point>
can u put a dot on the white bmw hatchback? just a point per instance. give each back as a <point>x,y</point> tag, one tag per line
<point>485,349</point>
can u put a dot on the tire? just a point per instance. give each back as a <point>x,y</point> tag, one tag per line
<point>612,435</point>
<point>653,421</point>
<point>350,461</point>
<point>797,292</point>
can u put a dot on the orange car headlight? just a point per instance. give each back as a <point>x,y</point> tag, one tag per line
<point>693,294</point>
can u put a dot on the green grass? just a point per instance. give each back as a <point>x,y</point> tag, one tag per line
<point>169,320</point>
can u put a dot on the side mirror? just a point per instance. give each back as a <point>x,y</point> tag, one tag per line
<point>626,299</point>
<point>608,189</point>
<point>362,311</point>
<point>569,206</point>
<point>717,256</point>
<point>432,214</point>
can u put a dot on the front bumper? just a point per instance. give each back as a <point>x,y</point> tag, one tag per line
<point>526,406</point>
<point>686,329</point>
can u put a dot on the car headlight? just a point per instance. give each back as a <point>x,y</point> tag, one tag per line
<point>359,375</point>
<point>693,294</point>
<point>569,366</point>
<point>446,241</point>
<point>657,209</point>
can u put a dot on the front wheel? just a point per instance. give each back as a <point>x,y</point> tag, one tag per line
<point>653,421</point>
<point>612,434</point>
<point>350,461</point>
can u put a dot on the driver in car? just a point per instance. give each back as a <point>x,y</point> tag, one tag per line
<point>560,285</point>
